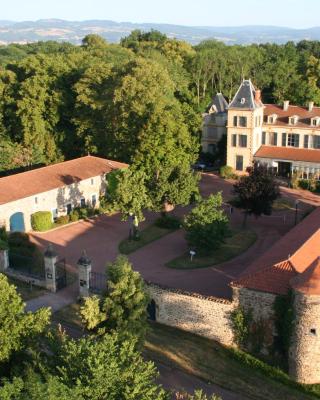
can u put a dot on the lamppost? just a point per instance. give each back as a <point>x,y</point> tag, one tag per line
<point>296,212</point>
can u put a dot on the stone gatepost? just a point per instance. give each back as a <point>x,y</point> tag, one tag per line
<point>84,269</point>
<point>4,260</point>
<point>50,259</point>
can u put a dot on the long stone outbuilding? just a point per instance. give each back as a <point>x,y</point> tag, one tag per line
<point>57,188</point>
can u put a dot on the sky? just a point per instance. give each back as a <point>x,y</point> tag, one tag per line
<point>290,13</point>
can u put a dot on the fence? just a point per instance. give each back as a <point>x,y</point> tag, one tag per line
<point>97,282</point>
<point>30,266</point>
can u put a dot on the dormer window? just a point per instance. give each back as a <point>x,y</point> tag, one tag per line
<point>315,121</point>
<point>243,100</point>
<point>272,118</point>
<point>293,120</point>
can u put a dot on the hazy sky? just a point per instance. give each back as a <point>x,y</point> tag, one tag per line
<point>293,13</point>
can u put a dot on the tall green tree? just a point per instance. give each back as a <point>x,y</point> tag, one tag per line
<point>18,329</point>
<point>256,192</point>
<point>207,224</point>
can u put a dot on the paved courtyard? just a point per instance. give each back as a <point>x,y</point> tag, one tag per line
<point>100,238</point>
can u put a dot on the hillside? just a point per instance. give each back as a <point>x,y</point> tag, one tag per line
<point>74,31</point>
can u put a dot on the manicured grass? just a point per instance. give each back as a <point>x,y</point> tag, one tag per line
<point>228,368</point>
<point>283,204</point>
<point>147,235</point>
<point>27,291</point>
<point>237,243</point>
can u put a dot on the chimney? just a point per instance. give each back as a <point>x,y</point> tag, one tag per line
<point>257,96</point>
<point>285,105</point>
<point>310,106</point>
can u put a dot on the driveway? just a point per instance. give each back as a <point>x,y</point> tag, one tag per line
<point>100,238</point>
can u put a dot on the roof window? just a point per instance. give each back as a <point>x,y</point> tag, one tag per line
<point>243,100</point>
<point>315,121</point>
<point>293,120</point>
<point>272,118</point>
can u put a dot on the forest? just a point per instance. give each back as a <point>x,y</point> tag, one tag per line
<point>137,101</point>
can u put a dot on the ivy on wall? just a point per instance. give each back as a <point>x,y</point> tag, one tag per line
<point>284,322</point>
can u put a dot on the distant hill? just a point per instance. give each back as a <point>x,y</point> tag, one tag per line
<point>74,31</point>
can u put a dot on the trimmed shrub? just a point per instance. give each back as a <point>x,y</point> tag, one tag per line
<point>74,216</point>
<point>304,184</point>
<point>168,222</point>
<point>17,239</point>
<point>90,211</point>
<point>63,220</point>
<point>227,172</point>
<point>83,213</point>
<point>41,221</point>
<point>24,255</point>
<point>3,245</point>
<point>3,234</point>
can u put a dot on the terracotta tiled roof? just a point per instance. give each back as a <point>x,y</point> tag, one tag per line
<point>43,179</point>
<point>282,120</point>
<point>274,279</point>
<point>290,256</point>
<point>288,153</point>
<point>308,282</point>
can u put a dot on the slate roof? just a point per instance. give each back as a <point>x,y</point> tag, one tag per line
<point>303,113</point>
<point>245,98</point>
<point>218,105</point>
<point>289,153</point>
<point>289,262</point>
<point>43,179</point>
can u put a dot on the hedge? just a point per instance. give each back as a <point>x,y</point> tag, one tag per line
<point>41,221</point>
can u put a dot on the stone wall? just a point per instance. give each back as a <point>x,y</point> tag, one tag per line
<point>204,316</point>
<point>260,303</point>
<point>304,356</point>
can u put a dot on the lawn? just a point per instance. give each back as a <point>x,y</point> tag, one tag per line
<point>27,291</point>
<point>283,204</point>
<point>213,363</point>
<point>147,235</point>
<point>237,243</point>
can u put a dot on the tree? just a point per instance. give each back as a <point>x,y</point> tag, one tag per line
<point>18,329</point>
<point>128,194</point>
<point>206,225</point>
<point>91,368</point>
<point>124,306</point>
<point>256,192</point>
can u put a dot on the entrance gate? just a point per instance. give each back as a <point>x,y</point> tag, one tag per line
<point>61,274</point>
<point>98,282</point>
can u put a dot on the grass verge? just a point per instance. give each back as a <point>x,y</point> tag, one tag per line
<point>147,235</point>
<point>237,243</point>
<point>27,291</point>
<point>228,368</point>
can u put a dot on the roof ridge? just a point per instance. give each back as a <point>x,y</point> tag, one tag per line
<point>58,163</point>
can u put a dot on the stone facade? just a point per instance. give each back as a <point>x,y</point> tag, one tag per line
<point>204,316</point>
<point>304,357</point>
<point>252,133</point>
<point>55,200</point>
<point>213,128</point>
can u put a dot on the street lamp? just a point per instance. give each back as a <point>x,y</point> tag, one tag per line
<point>296,212</point>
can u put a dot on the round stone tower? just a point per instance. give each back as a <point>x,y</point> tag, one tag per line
<point>304,355</point>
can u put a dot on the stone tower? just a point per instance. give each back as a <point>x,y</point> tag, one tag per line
<point>244,126</point>
<point>304,357</point>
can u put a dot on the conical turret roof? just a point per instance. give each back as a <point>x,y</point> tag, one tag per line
<point>247,97</point>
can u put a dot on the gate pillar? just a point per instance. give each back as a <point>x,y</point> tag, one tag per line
<point>50,259</point>
<point>84,268</point>
<point>4,260</point>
